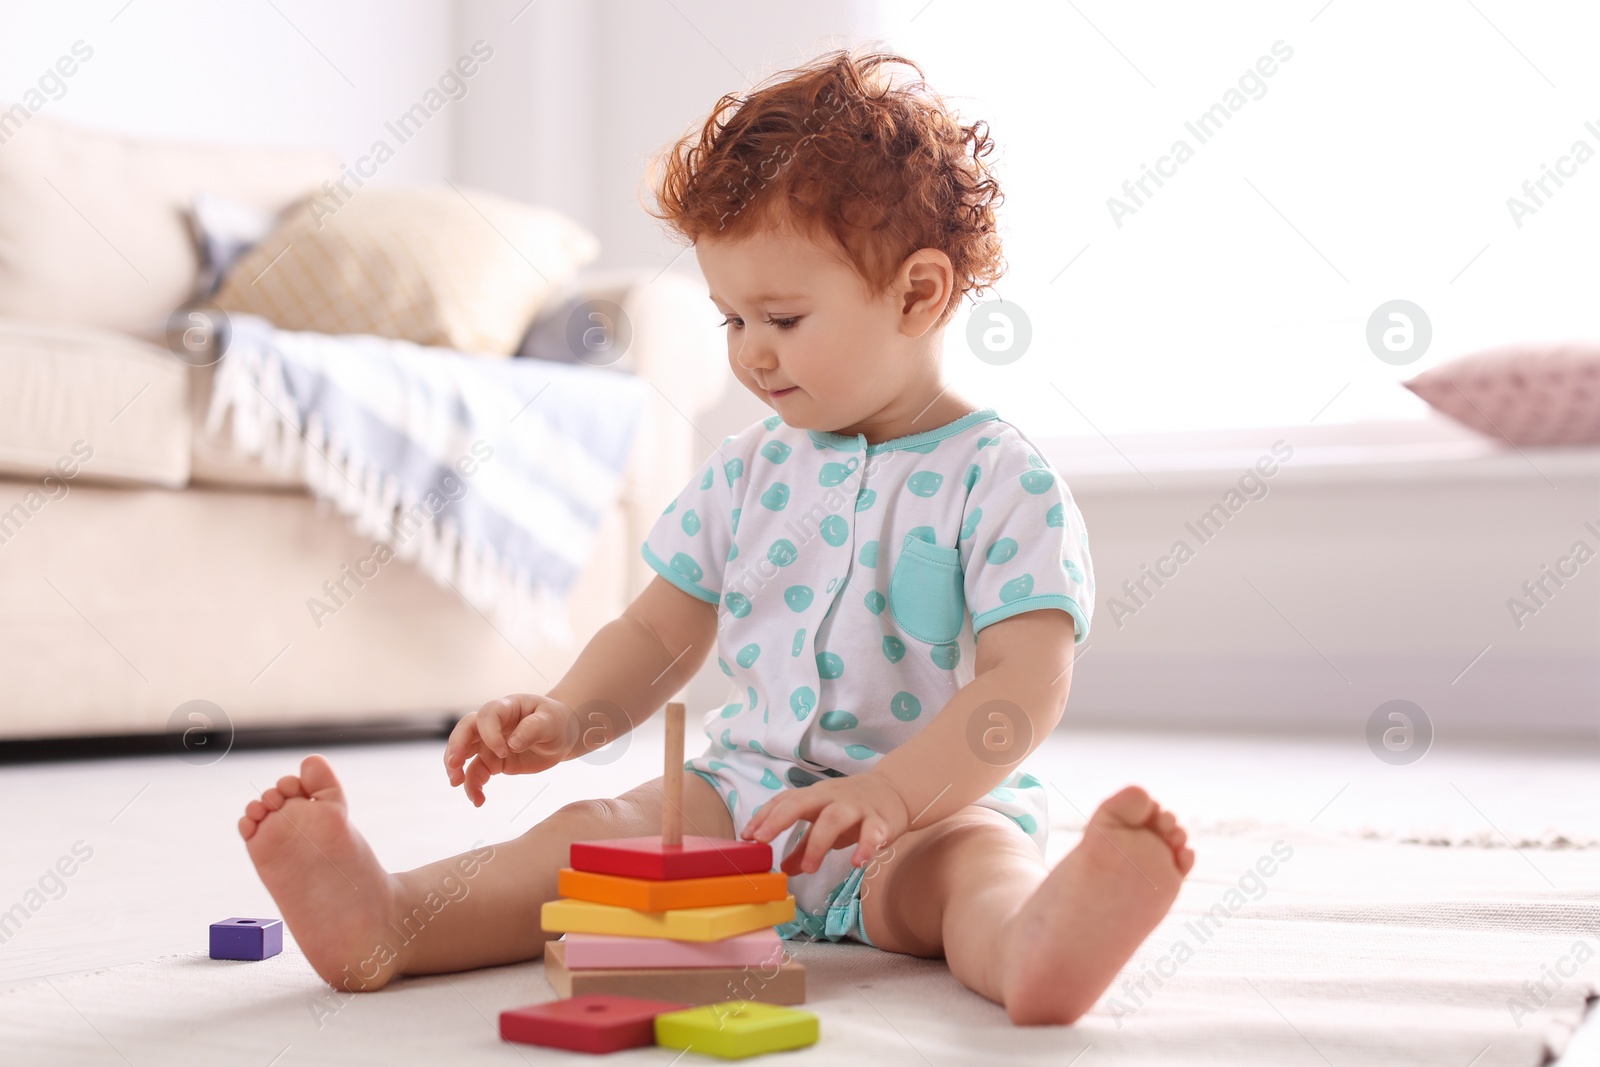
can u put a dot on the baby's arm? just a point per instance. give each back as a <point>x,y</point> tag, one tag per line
<point>626,671</point>
<point>1025,664</point>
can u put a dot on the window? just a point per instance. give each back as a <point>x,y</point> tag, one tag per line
<point>1384,157</point>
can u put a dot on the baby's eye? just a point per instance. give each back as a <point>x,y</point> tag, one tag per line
<point>784,324</point>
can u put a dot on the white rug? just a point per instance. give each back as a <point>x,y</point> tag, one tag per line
<point>1353,950</point>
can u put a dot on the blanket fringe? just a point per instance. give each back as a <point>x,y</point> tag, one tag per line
<point>251,395</point>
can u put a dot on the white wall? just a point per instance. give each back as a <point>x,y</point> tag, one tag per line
<point>293,72</point>
<point>1396,585</point>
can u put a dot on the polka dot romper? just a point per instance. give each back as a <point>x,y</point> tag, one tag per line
<point>852,580</point>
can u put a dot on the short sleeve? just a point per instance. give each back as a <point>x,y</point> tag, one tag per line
<point>690,542</point>
<point>1023,543</point>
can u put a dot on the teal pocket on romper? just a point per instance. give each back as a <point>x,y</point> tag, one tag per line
<point>925,594</point>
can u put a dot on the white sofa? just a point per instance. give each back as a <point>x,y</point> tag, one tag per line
<point>168,570</point>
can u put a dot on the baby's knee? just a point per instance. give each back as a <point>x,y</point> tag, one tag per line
<point>585,819</point>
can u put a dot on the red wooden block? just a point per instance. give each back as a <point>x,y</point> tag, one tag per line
<point>595,1022</point>
<point>647,857</point>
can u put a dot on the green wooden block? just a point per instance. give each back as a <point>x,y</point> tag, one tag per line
<point>736,1029</point>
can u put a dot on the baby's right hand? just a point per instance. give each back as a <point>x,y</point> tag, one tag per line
<point>519,734</point>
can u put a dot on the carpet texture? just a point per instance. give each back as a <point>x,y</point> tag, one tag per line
<point>1300,941</point>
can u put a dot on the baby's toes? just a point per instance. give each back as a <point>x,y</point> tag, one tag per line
<point>1184,858</point>
<point>255,811</point>
<point>1176,838</point>
<point>1163,822</point>
<point>272,799</point>
<point>289,785</point>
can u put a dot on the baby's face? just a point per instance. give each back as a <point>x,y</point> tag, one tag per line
<point>804,335</point>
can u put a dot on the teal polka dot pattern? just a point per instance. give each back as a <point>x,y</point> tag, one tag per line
<point>1016,589</point>
<point>686,566</point>
<point>1007,511</point>
<point>838,720</point>
<point>801,778</point>
<point>833,474</point>
<point>905,706</point>
<point>802,701</point>
<point>1037,481</point>
<point>1002,551</point>
<point>776,498</point>
<point>969,525</point>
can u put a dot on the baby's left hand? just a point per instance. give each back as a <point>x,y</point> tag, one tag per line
<point>863,809</point>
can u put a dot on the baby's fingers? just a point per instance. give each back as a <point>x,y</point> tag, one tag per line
<point>457,750</point>
<point>491,728</point>
<point>544,733</point>
<point>782,811</point>
<point>874,835</point>
<point>477,774</point>
<point>836,821</point>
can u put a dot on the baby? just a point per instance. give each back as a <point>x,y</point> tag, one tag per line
<point>892,577</point>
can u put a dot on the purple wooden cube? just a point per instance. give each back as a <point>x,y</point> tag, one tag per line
<point>246,939</point>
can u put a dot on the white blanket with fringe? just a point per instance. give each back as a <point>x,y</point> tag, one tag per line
<point>491,475</point>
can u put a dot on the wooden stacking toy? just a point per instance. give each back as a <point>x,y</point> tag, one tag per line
<point>656,925</point>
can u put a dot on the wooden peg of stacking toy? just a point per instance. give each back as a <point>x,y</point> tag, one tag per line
<point>672,780</point>
<point>672,855</point>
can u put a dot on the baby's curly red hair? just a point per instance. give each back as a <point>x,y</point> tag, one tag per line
<point>840,149</point>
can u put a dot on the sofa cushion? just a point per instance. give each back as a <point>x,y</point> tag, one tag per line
<point>1525,394</point>
<point>116,405</point>
<point>452,268</point>
<point>93,225</point>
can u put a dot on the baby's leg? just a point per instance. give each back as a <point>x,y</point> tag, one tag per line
<point>1043,943</point>
<point>359,925</point>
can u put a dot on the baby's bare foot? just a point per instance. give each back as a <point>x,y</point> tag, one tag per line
<point>334,895</point>
<point>1066,944</point>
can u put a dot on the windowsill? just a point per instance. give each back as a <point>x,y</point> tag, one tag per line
<point>1427,449</point>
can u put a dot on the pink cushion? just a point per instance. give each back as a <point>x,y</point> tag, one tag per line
<point>1526,394</point>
